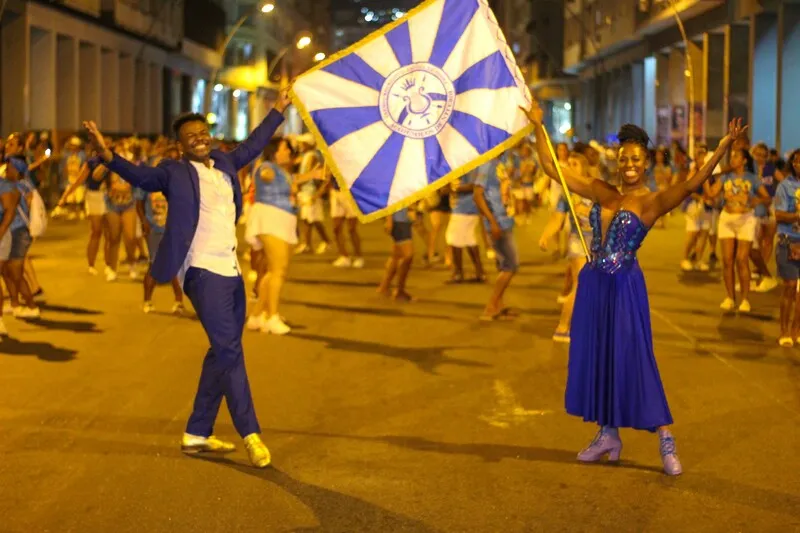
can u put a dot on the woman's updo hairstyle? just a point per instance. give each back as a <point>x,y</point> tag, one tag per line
<point>630,133</point>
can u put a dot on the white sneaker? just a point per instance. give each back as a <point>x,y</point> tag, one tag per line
<point>3,330</point>
<point>255,323</point>
<point>702,266</point>
<point>744,307</point>
<point>27,312</point>
<point>301,249</point>
<point>178,308</point>
<point>727,304</point>
<point>148,307</point>
<point>766,285</point>
<point>111,275</point>
<point>276,326</point>
<point>321,248</point>
<point>133,274</point>
<point>92,271</point>
<point>687,265</point>
<point>342,262</point>
<point>358,262</point>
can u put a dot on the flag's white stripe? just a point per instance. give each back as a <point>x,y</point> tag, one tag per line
<point>411,174</point>
<point>476,43</point>
<point>496,107</point>
<point>423,28</point>
<point>379,55</point>
<point>353,152</point>
<point>323,90</point>
<point>457,150</point>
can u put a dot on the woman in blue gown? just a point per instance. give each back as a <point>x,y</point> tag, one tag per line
<point>613,377</point>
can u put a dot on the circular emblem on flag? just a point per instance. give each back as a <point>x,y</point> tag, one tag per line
<point>417,100</point>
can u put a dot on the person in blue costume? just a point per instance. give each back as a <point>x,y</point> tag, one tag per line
<point>613,379</point>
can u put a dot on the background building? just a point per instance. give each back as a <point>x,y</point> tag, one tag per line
<point>634,66</point>
<point>128,64</point>
<point>534,31</point>
<point>352,20</point>
<point>262,56</point>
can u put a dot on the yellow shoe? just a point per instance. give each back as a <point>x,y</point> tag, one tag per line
<point>192,444</point>
<point>258,452</point>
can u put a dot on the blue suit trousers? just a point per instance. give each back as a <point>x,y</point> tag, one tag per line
<point>221,303</point>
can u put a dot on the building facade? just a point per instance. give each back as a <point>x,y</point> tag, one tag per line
<point>534,31</point>
<point>127,64</point>
<point>352,20</point>
<point>634,65</point>
<point>262,56</point>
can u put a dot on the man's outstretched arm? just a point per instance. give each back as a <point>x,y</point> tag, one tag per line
<point>149,179</point>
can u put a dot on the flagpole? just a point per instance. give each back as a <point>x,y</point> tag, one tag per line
<point>567,194</point>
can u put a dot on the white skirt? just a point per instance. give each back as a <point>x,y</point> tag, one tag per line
<point>265,219</point>
<point>340,207</point>
<point>95,203</point>
<point>461,231</point>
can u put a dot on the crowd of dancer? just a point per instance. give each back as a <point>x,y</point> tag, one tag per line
<point>735,216</point>
<point>741,199</point>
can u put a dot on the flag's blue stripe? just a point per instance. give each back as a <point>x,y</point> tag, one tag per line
<point>400,41</point>
<point>336,123</point>
<point>488,73</point>
<point>371,189</point>
<point>479,134</point>
<point>456,16</point>
<point>352,67</point>
<point>434,160</point>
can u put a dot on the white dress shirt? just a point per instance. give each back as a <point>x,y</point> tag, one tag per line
<point>214,244</point>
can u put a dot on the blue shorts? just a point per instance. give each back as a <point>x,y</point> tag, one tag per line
<point>506,250</point>
<point>20,243</point>
<point>401,232</point>
<point>118,209</point>
<point>788,270</point>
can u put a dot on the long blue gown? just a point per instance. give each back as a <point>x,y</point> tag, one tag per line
<point>613,378</point>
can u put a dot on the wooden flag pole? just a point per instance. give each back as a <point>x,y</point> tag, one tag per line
<point>567,193</point>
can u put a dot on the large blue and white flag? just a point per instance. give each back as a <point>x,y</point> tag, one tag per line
<point>416,104</point>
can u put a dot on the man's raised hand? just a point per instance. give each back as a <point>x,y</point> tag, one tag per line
<point>283,100</point>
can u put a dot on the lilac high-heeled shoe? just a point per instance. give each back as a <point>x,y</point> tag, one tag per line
<point>606,441</point>
<point>669,456</point>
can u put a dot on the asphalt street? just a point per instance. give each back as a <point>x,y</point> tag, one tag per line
<point>386,417</point>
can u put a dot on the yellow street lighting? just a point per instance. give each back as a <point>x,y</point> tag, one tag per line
<point>303,42</point>
<point>319,57</point>
<point>267,8</point>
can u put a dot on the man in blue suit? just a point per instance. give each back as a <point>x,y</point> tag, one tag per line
<point>199,247</point>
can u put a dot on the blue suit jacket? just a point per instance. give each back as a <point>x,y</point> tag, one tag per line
<point>179,182</point>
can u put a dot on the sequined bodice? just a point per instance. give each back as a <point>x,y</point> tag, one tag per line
<point>617,249</point>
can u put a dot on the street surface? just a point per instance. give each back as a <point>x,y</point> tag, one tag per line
<point>384,417</point>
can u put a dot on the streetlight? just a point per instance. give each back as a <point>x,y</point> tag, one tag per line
<point>304,40</point>
<point>319,56</point>
<point>266,8</point>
